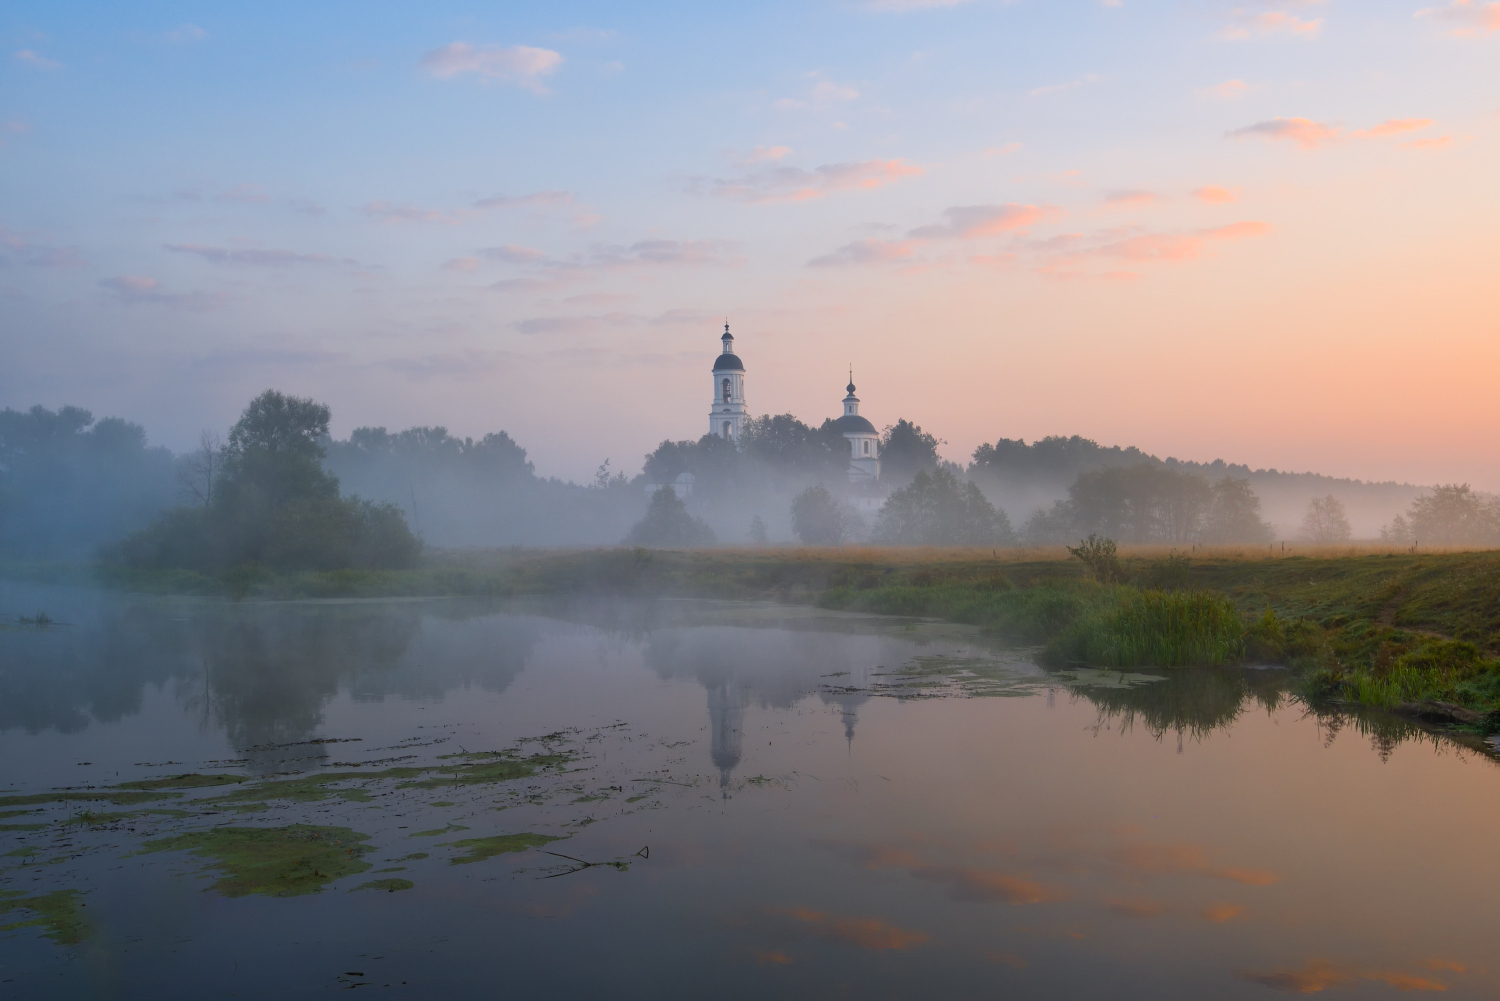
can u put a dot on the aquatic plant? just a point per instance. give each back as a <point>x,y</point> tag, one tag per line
<point>1157,629</point>
<point>480,849</point>
<point>275,861</point>
<point>57,912</point>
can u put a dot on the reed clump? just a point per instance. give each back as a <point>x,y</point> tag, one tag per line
<point>1156,629</point>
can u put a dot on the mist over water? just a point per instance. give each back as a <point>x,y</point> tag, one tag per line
<point>802,802</point>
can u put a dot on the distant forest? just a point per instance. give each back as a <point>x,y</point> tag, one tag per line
<point>70,484</point>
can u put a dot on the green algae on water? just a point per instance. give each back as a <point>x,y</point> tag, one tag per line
<point>192,780</point>
<point>23,827</point>
<point>57,912</point>
<point>438,830</point>
<point>483,848</point>
<point>493,767</point>
<point>117,797</point>
<point>394,868</point>
<point>275,861</point>
<point>388,885</point>
<point>442,802</point>
<point>7,814</point>
<point>413,857</point>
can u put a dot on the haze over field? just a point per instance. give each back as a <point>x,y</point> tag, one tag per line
<point>1256,231</point>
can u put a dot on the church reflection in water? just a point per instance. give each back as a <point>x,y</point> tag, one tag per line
<point>744,667</point>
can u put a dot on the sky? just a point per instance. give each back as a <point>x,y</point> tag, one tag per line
<point>1261,230</point>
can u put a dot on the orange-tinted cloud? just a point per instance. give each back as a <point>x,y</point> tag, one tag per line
<point>1220,913</point>
<point>1272,22</point>
<point>1470,16</point>
<point>1186,858</point>
<point>1136,908</point>
<point>1436,142</point>
<point>774,957</point>
<point>1229,89</point>
<point>866,933</point>
<point>962,883</point>
<point>793,184</point>
<point>1319,974</point>
<point>1122,199</point>
<point>1393,126</point>
<point>1303,131</point>
<point>969,222</point>
<point>1215,196</point>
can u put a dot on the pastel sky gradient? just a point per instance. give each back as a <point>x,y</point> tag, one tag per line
<point>1261,231</point>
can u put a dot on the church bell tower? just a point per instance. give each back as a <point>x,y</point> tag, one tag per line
<point>727,412</point>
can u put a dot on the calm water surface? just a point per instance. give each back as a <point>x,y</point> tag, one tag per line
<point>800,803</point>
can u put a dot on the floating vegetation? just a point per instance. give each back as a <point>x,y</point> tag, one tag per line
<point>438,830</point>
<point>482,848</point>
<point>276,861</point>
<point>388,885</point>
<point>116,796</point>
<point>7,814</point>
<point>192,780</point>
<point>494,766</point>
<point>23,827</point>
<point>58,912</point>
<point>413,857</point>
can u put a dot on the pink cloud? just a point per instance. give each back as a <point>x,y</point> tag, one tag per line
<point>1127,199</point>
<point>139,289</point>
<point>36,60</point>
<point>969,222</point>
<point>762,153</point>
<point>461,264</point>
<point>1437,142</point>
<point>1394,126</point>
<point>1271,22</point>
<point>1471,16</point>
<point>1303,131</point>
<point>1229,89</point>
<point>1212,195</point>
<point>793,184</point>
<point>821,95</point>
<point>390,212</point>
<point>867,252</point>
<point>522,65</point>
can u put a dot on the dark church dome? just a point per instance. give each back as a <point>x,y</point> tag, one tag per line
<point>728,363</point>
<point>853,422</point>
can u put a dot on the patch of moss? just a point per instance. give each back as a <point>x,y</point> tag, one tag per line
<point>388,885</point>
<point>394,868</point>
<point>23,827</point>
<point>7,814</point>
<point>442,802</point>
<point>22,852</point>
<point>483,848</point>
<point>275,861</point>
<point>58,912</point>
<point>590,799</point>
<point>438,830</point>
<point>192,780</point>
<point>413,857</point>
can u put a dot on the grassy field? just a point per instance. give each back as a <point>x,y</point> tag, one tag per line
<point>1414,631</point>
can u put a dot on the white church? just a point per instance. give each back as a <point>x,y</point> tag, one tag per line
<point>728,413</point>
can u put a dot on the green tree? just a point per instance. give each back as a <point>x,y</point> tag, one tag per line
<point>1325,522</point>
<point>1234,514</point>
<point>937,509</point>
<point>820,519</point>
<point>1141,503</point>
<point>668,523</point>
<point>1453,515</point>
<point>274,505</point>
<point>905,450</point>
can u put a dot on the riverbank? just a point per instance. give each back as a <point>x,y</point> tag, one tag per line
<point>1411,632</point>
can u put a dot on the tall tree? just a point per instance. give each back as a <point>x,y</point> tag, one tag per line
<point>1325,521</point>
<point>905,450</point>
<point>937,509</point>
<point>1234,514</point>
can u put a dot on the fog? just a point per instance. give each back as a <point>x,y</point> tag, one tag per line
<point>71,484</point>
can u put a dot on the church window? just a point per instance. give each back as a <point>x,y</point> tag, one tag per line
<point>726,390</point>
<point>867,448</point>
<point>726,428</point>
